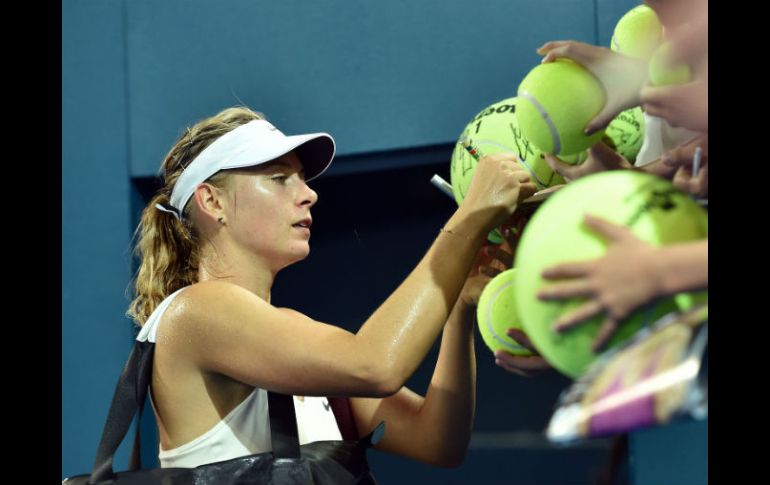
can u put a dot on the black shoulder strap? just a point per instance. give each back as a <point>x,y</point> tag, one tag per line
<point>144,375</point>
<point>129,396</point>
<point>283,425</point>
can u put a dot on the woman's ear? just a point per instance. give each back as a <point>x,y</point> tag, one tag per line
<point>211,201</point>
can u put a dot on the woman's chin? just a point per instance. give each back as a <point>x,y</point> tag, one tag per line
<point>298,253</point>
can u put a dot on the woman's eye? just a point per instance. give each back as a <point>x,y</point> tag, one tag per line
<point>279,178</point>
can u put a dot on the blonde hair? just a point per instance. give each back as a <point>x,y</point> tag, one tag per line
<point>167,247</point>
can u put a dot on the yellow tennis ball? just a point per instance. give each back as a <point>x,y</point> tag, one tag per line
<point>638,33</point>
<point>625,133</point>
<point>662,71</point>
<point>653,209</point>
<point>496,313</point>
<point>493,130</point>
<point>556,101</point>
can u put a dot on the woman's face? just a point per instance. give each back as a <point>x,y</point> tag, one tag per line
<point>269,212</point>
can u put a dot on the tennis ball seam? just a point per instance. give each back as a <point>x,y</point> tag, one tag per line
<point>493,299</point>
<point>540,183</point>
<point>555,138</point>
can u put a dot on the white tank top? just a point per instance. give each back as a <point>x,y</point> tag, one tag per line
<point>246,429</point>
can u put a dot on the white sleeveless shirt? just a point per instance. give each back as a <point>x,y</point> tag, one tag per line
<point>246,429</point>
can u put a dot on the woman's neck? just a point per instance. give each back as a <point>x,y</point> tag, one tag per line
<point>247,271</point>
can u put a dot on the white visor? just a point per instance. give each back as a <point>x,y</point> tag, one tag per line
<point>254,143</point>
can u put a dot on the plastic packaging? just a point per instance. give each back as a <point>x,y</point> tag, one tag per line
<point>659,375</point>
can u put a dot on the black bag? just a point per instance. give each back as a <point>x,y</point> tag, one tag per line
<point>321,462</point>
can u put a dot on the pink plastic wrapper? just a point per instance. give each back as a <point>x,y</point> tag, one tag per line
<point>659,375</point>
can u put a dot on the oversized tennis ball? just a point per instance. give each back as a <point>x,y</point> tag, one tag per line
<point>493,130</point>
<point>625,133</point>
<point>496,313</point>
<point>556,101</point>
<point>654,210</point>
<point>663,72</point>
<point>638,33</point>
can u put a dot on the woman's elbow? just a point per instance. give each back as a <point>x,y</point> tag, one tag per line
<point>382,380</point>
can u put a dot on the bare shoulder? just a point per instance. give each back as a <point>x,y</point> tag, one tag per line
<point>214,309</point>
<point>292,313</point>
<point>225,329</point>
<point>202,307</point>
